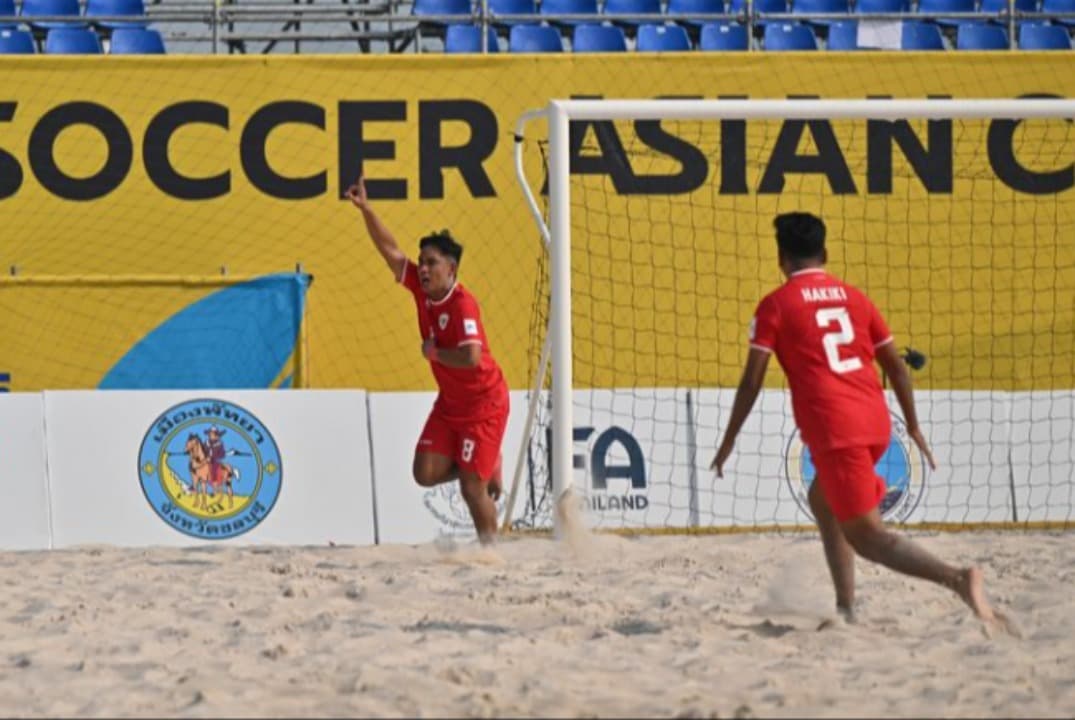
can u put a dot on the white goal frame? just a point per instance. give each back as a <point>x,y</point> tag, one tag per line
<point>558,114</point>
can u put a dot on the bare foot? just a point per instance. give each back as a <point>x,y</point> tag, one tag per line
<point>972,589</point>
<point>847,613</point>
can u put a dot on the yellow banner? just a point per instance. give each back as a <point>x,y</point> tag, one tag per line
<point>190,167</point>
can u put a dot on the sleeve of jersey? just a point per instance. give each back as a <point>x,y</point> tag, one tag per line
<point>470,323</point>
<point>409,278</point>
<point>879,332</point>
<point>764,325</point>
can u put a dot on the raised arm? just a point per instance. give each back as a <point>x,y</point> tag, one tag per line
<point>382,238</point>
<point>896,370</point>
<point>745,395</point>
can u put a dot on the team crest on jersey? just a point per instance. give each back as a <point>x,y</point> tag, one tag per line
<point>210,469</point>
<point>442,321</point>
<point>902,467</point>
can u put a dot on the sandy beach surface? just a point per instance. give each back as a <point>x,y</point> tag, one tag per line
<point>672,626</point>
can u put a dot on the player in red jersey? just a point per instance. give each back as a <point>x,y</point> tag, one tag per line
<point>462,436</point>
<point>826,335</point>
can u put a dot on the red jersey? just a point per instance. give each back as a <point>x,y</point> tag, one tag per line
<point>825,334</point>
<point>466,394</point>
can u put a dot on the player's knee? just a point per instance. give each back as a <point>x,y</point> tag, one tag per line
<point>867,539</point>
<point>423,474</point>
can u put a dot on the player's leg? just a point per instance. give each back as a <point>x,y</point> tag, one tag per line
<point>495,486</point>
<point>873,541</point>
<point>481,505</point>
<point>479,465</point>
<point>433,457</point>
<point>838,551</point>
<point>854,492</point>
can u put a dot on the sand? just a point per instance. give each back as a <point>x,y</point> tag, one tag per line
<point>665,626</point>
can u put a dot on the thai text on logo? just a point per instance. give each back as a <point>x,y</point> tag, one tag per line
<point>210,469</point>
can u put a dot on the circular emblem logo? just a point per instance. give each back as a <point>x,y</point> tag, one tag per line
<point>210,469</point>
<point>902,467</point>
<point>445,502</point>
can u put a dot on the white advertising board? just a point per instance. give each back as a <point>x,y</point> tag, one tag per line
<point>24,513</point>
<point>642,458</point>
<point>129,467</point>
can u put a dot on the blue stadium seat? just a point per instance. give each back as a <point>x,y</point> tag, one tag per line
<point>724,36</point>
<point>512,7</point>
<point>789,36</point>
<point>441,7</point>
<point>7,7</point>
<point>468,39</point>
<point>843,35</point>
<point>662,38</point>
<point>1044,37</point>
<point>917,35</point>
<point>72,41</point>
<point>927,7</point>
<point>695,7</point>
<point>1000,7</point>
<point>761,6</point>
<point>16,42</point>
<point>976,36</point>
<point>865,7</point>
<point>570,7</point>
<point>598,38</point>
<point>534,39</point>
<point>136,41</point>
<point>820,6</point>
<point>438,28</point>
<point>37,8</point>
<point>1054,6</point>
<point>632,7</point>
<point>96,8</point>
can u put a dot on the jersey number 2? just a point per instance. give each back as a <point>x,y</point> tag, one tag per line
<point>833,340</point>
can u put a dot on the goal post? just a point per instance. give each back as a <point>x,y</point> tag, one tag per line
<point>1012,422</point>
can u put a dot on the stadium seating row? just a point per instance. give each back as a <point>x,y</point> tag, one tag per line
<point>97,12</point>
<point>991,8</point>
<point>841,35</point>
<point>58,27</point>
<point>83,41</point>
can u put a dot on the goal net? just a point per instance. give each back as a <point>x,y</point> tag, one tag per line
<point>955,217</point>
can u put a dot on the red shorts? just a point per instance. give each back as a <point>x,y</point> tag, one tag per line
<point>473,446</point>
<point>848,480</point>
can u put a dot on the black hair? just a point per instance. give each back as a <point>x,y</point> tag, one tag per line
<point>800,235</point>
<point>445,243</point>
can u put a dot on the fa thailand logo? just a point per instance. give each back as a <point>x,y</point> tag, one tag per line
<point>210,469</point>
<point>443,320</point>
<point>902,467</point>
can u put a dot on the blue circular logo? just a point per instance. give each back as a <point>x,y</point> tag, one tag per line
<point>902,467</point>
<point>210,469</point>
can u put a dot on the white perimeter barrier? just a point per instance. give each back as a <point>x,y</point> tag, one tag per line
<point>303,467</point>
<point>406,512</point>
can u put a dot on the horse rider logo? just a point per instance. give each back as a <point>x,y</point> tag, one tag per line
<point>210,469</point>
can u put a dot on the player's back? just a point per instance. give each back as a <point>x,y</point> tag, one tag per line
<point>825,334</point>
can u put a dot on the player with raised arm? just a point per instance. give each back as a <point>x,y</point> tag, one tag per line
<point>826,335</point>
<point>462,436</point>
